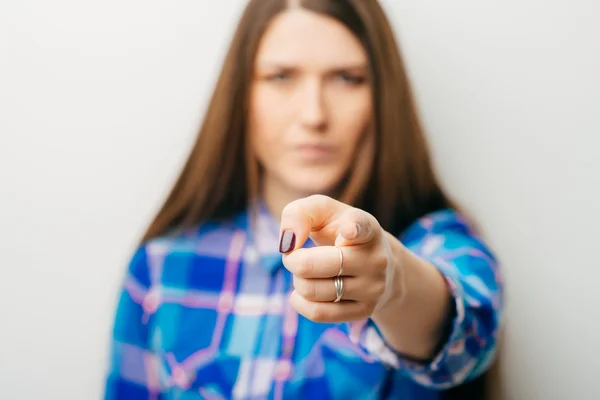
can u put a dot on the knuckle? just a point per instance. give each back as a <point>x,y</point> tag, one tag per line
<point>312,291</point>
<point>317,314</point>
<point>306,289</point>
<point>379,289</point>
<point>299,286</point>
<point>380,262</point>
<point>369,305</point>
<point>306,266</point>
<point>362,309</point>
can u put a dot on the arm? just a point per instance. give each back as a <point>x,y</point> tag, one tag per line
<point>133,367</point>
<point>421,297</point>
<point>443,330</point>
<point>437,275</point>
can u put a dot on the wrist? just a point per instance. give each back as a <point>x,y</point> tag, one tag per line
<point>396,298</point>
<point>412,316</point>
<point>395,285</point>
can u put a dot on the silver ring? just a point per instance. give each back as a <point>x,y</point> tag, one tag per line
<point>338,283</point>
<point>341,261</point>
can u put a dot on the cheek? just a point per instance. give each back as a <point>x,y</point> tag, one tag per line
<point>352,118</point>
<point>265,127</point>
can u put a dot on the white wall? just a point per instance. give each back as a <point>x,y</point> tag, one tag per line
<point>511,95</point>
<point>100,101</point>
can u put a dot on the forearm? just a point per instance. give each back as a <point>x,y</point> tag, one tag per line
<point>445,310</point>
<point>413,319</point>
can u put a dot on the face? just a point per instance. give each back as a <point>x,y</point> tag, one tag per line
<point>310,102</point>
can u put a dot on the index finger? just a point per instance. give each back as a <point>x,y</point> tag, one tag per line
<point>301,217</point>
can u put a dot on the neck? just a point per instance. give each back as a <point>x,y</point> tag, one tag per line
<point>276,196</point>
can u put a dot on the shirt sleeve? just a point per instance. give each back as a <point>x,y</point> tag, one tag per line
<point>133,367</point>
<point>445,239</point>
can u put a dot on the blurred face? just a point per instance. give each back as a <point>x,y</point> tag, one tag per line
<point>310,103</point>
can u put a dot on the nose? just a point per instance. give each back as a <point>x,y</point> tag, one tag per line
<point>313,112</point>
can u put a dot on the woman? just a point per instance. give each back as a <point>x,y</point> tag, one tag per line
<point>310,148</point>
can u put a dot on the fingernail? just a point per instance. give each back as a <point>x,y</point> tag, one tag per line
<point>353,234</point>
<point>287,241</point>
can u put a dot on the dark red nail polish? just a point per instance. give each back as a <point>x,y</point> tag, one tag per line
<point>287,241</point>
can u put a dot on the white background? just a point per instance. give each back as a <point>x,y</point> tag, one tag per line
<point>99,102</point>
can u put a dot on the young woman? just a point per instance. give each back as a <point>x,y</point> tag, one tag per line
<point>307,250</point>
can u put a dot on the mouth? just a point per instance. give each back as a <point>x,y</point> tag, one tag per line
<point>315,152</point>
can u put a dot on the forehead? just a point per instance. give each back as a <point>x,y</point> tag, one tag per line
<point>301,37</point>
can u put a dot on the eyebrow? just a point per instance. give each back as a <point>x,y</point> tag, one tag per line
<point>292,67</point>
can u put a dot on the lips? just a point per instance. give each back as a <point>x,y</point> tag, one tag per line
<point>315,151</point>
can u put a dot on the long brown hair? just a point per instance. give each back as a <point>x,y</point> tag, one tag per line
<point>220,175</point>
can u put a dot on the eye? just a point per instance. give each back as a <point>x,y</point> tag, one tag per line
<point>279,77</point>
<point>350,79</point>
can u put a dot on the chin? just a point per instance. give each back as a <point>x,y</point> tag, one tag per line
<point>312,184</point>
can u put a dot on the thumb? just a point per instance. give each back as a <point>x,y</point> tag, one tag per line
<point>357,227</point>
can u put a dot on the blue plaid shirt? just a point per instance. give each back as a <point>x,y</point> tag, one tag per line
<point>204,315</point>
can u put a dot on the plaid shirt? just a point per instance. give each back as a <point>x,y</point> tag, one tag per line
<point>204,315</point>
